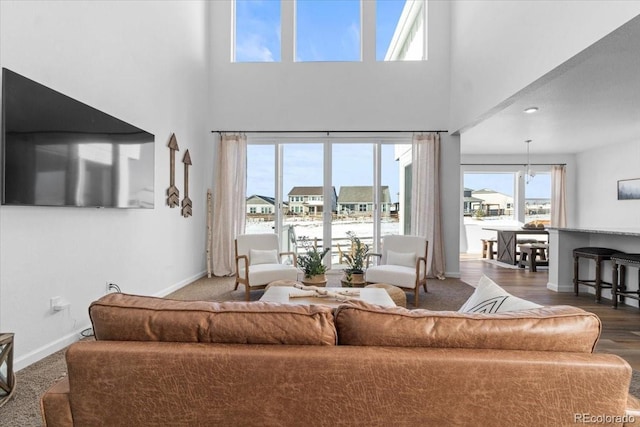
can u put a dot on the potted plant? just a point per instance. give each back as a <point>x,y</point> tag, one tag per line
<point>312,266</point>
<point>354,273</point>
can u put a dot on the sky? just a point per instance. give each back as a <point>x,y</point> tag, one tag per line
<point>539,187</point>
<point>303,166</point>
<point>326,30</point>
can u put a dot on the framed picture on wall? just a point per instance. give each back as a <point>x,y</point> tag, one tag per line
<point>629,189</point>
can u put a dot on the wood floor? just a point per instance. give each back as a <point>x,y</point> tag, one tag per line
<point>620,328</point>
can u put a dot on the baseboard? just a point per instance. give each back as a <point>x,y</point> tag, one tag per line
<point>180,284</point>
<point>556,288</point>
<point>44,351</point>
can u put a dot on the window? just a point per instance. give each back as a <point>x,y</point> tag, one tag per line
<point>538,198</point>
<point>327,30</point>
<point>344,195</point>
<point>502,198</point>
<point>257,31</point>
<point>260,185</point>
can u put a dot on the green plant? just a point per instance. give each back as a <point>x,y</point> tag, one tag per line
<point>356,259</point>
<point>478,213</point>
<point>311,262</point>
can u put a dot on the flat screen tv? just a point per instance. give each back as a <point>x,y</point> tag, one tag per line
<point>57,151</point>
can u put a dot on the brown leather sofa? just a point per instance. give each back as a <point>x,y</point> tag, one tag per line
<point>158,362</point>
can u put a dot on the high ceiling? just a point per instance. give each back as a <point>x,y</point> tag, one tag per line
<point>591,100</point>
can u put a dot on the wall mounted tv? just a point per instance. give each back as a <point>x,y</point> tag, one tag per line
<point>57,151</point>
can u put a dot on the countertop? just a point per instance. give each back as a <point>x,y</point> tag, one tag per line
<point>601,230</point>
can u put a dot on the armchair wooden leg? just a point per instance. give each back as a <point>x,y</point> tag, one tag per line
<point>235,288</point>
<point>416,297</point>
<point>247,295</point>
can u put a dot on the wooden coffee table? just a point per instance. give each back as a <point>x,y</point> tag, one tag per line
<point>371,295</point>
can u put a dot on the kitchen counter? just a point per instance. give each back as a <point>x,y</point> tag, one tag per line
<point>562,242</point>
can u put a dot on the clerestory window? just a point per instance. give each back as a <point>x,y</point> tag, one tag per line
<point>328,30</point>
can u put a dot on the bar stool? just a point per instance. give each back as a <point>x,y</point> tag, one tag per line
<point>598,255</point>
<point>533,255</point>
<point>487,248</point>
<point>622,261</point>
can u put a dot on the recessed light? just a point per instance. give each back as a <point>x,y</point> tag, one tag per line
<point>531,110</point>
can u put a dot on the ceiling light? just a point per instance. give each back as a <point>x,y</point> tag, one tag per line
<point>530,110</point>
<point>529,174</point>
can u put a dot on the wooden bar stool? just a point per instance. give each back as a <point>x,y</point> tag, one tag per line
<point>533,255</point>
<point>487,248</point>
<point>598,255</point>
<point>621,261</point>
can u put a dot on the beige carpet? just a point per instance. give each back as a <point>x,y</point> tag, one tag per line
<point>23,410</point>
<point>448,294</point>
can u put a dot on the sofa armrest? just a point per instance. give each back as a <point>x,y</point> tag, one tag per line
<point>54,405</point>
<point>632,412</point>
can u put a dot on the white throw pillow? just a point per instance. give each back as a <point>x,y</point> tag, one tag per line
<point>407,259</point>
<point>491,298</point>
<point>268,256</point>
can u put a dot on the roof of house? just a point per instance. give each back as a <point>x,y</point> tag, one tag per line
<point>266,199</point>
<point>307,191</point>
<point>473,199</point>
<point>362,194</point>
<point>488,191</point>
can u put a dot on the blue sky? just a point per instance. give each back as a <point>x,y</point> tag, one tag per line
<point>326,30</point>
<point>538,188</point>
<point>303,166</point>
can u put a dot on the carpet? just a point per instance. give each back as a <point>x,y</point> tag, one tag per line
<point>448,294</point>
<point>23,410</point>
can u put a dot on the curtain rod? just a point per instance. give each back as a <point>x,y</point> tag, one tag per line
<point>327,131</point>
<point>513,164</point>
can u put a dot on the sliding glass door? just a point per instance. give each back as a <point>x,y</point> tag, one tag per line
<point>316,190</point>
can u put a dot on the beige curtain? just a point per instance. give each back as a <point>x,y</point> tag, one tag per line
<point>558,196</point>
<point>229,202</point>
<point>425,199</point>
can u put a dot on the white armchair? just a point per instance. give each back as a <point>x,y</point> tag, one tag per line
<point>403,263</point>
<point>259,262</point>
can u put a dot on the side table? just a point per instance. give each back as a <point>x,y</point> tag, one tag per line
<point>7,377</point>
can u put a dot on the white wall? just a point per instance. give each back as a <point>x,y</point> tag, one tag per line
<point>368,95</point>
<point>599,170</point>
<point>145,63</point>
<point>450,185</point>
<point>500,47</point>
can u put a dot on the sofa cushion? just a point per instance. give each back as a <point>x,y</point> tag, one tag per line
<point>123,317</point>
<point>491,298</point>
<point>553,328</point>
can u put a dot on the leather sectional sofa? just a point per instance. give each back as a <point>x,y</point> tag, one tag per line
<point>159,362</point>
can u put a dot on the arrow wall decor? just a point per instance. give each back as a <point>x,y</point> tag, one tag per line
<point>186,202</point>
<point>173,194</point>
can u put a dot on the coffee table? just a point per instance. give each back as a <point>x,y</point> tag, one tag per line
<point>371,295</point>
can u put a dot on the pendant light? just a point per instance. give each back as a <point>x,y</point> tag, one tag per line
<point>529,173</point>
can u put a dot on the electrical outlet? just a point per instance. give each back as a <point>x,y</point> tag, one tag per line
<point>58,304</point>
